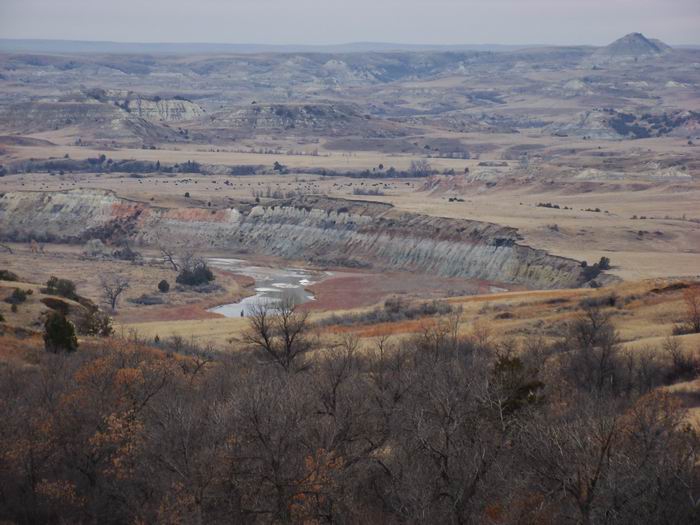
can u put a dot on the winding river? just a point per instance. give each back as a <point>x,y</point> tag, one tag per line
<point>271,285</point>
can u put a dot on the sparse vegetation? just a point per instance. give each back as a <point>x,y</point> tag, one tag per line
<point>394,309</point>
<point>366,191</point>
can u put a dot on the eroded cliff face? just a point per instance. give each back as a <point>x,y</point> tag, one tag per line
<point>315,229</point>
<point>170,110</point>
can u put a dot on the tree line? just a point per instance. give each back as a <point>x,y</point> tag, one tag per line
<point>296,427</point>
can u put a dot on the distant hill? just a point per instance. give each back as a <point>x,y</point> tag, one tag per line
<point>78,46</point>
<point>632,46</point>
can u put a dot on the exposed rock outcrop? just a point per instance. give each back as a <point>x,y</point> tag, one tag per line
<point>164,110</point>
<point>331,119</point>
<point>608,123</point>
<point>319,230</point>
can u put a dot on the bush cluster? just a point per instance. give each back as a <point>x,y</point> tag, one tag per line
<point>195,274</point>
<point>63,287</point>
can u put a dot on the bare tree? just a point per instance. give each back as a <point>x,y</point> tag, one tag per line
<point>112,288</point>
<point>281,332</point>
<point>684,365</point>
<point>594,345</point>
<point>420,168</point>
<point>600,458</point>
<point>691,297</point>
<point>168,256</point>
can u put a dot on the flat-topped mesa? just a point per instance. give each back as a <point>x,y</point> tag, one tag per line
<point>322,231</point>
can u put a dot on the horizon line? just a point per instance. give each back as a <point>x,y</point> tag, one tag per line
<point>309,45</point>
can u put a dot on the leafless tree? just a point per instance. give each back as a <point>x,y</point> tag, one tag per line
<point>112,288</point>
<point>593,347</point>
<point>685,365</point>
<point>601,461</point>
<point>691,297</point>
<point>189,258</point>
<point>122,432</point>
<point>280,331</point>
<point>420,168</point>
<point>168,255</point>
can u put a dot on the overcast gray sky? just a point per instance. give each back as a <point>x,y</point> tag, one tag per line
<point>342,21</point>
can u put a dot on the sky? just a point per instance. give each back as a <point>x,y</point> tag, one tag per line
<point>595,22</point>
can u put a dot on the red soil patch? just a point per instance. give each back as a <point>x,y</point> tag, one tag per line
<point>347,291</point>
<point>125,210</point>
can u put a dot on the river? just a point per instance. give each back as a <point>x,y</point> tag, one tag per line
<point>271,285</point>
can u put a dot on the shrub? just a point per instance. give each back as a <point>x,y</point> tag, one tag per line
<point>7,275</point>
<point>598,302</point>
<point>147,300</point>
<point>18,296</point>
<point>243,170</point>
<point>59,334</point>
<point>94,321</point>
<point>164,286</point>
<point>367,191</point>
<point>590,272</point>
<point>199,273</point>
<point>62,287</point>
<point>94,248</point>
<point>604,263</point>
<point>126,253</point>
<point>394,309</point>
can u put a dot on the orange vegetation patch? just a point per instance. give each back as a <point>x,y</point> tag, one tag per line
<point>528,294</point>
<point>383,329</point>
<point>19,350</point>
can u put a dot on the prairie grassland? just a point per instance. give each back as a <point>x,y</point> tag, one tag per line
<point>68,262</point>
<point>642,315</point>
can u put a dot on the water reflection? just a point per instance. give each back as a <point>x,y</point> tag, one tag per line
<point>271,286</point>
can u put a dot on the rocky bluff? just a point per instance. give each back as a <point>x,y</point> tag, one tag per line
<point>319,230</point>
